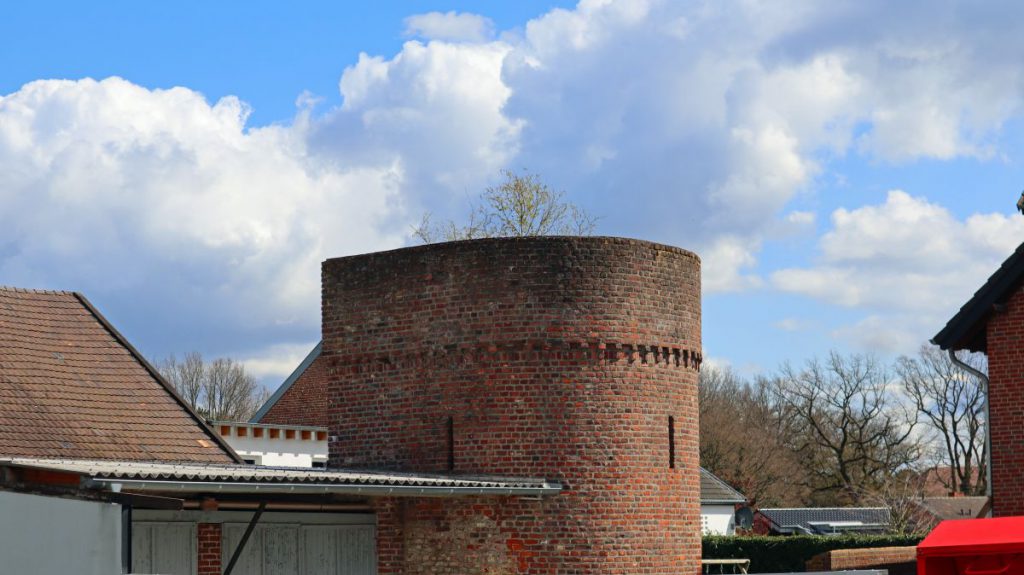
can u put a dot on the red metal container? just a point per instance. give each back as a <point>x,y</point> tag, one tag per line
<point>973,547</point>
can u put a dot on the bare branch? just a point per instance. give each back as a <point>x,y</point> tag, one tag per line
<point>520,206</point>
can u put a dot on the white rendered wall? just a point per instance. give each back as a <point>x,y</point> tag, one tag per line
<point>718,520</point>
<point>279,452</point>
<point>48,535</point>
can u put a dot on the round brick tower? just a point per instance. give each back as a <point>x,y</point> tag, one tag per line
<point>572,359</point>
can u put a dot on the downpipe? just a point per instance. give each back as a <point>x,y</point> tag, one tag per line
<point>988,436</point>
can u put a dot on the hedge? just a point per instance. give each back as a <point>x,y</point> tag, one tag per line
<point>784,554</point>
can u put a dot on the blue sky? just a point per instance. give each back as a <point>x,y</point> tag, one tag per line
<point>847,170</point>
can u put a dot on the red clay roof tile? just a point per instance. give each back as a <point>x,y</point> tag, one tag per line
<point>71,387</point>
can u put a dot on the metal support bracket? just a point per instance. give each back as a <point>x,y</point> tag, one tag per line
<point>245,538</point>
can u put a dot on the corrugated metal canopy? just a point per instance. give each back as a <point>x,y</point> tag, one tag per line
<point>144,476</point>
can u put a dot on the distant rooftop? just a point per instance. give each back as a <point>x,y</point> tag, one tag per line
<point>827,520</point>
<point>715,491</point>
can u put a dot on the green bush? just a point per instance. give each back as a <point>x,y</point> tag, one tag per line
<point>780,554</point>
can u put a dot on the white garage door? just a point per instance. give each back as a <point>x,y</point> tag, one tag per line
<point>165,548</point>
<point>294,549</point>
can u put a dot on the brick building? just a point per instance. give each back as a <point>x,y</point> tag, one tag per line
<point>105,469</point>
<point>992,322</point>
<point>569,359</point>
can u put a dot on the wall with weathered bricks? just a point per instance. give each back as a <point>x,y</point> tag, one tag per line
<point>897,560</point>
<point>1006,408</point>
<point>561,358</point>
<point>208,548</point>
<point>302,403</point>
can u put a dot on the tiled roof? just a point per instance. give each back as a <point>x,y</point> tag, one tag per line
<point>966,329</point>
<point>713,490</point>
<point>71,386</point>
<point>803,519</point>
<point>955,507</point>
<point>294,400</point>
<point>250,478</point>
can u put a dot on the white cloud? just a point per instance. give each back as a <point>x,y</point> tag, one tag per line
<point>276,362</point>
<point>907,257</point>
<point>437,106</point>
<point>695,124</point>
<point>452,26</point>
<point>111,188</point>
<point>888,334</point>
<point>723,263</point>
<point>792,324</point>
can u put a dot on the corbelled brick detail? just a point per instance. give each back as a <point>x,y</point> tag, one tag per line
<point>208,535</point>
<point>551,357</point>
<point>1006,406</point>
<point>298,405</point>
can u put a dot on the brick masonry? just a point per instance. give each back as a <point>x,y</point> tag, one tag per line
<point>1005,337</point>
<point>560,358</point>
<point>294,406</point>
<point>897,560</point>
<point>208,548</point>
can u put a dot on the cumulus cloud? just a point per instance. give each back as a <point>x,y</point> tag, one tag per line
<point>437,107</point>
<point>695,124</point>
<point>452,26</point>
<point>163,198</point>
<point>276,362</point>
<point>908,257</point>
<point>708,119</point>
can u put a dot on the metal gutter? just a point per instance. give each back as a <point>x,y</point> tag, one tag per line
<point>306,489</point>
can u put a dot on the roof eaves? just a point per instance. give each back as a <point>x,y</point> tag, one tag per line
<point>159,378</point>
<point>962,330</point>
<point>284,387</point>
<point>246,479</point>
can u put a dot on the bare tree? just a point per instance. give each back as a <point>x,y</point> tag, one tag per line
<point>521,205</point>
<point>903,495</point>
<point>219,390</point>
<point>742,438</point>
<point>185,376</point>
<point>952,403</point>
<point>850,430</point>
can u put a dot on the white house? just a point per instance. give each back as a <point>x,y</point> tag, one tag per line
<point>276,445</point>
<point>718,501</point>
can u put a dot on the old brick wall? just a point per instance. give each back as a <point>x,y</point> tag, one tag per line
<point>897,560</point>
<point>561,358</point>
<point>1006,408</point>
<point>208,548</point>
<point>304,403</point>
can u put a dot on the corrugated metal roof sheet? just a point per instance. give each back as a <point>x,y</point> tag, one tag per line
<point>269,476</point>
